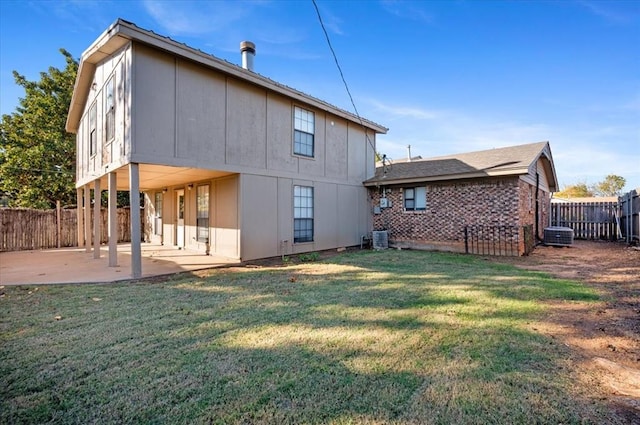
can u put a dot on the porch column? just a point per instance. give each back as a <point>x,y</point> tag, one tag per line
<point>87,218</point>
<point>113,220</point>
<point>97,229</point>
<point>134,201</point>
<point>79,217</point>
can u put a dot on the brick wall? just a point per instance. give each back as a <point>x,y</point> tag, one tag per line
<point>453,205</point>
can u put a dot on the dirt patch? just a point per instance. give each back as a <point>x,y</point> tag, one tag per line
<point>604,337</point>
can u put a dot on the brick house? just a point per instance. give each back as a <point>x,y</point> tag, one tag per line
<point>427,203</point>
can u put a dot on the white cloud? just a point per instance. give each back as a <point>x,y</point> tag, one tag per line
<point>408,10</point>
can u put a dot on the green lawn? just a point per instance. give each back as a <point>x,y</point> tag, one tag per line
<point>370,337</point>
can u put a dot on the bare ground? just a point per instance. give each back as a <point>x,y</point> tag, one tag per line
<point>604,337</point>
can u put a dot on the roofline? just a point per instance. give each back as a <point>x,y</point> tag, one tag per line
<point>121,32</point>
<point>472,175</point>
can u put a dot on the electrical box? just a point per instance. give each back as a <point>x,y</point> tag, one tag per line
<point>385,203</point>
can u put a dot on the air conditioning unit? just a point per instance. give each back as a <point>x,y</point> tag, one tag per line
<point>385,203</point>
<point>558,236</point>
<point>380,239</point>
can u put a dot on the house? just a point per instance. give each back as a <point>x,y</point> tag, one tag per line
<point>229,162</point>
<point>428,203</point>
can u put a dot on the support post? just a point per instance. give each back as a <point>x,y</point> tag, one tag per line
<point>134,201</point>
<point>97,195</point>
<point>87,218</point>
<point>79,217</point>
<point>113,220</point>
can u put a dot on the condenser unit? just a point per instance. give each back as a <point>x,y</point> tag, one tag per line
<point>558,236</point>
<point>380,239</point>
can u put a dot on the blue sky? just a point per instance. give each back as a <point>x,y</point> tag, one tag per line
<point>443,76</point>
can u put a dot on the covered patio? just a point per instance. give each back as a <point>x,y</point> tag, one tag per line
<point>76,265</point>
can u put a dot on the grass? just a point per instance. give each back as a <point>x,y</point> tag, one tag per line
<point>369,337</point>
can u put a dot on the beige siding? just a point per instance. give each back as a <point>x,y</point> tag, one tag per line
<point>259,216</point>
<point>336,165</point>
<point>246,125</point>
<point>225,231</point>
<point>201,115</point>
<point>109,154</point>
<point>154,103</point>
<point>280,134</point>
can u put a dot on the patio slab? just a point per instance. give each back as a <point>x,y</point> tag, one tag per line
<point>75,265</point>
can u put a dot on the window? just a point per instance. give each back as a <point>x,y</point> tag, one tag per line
<point>303,132</point>
<point>415,198</point>
<point>302,214</point>
<point>158,219</point>
<point>93,136</point>
<point>109,112</point>
<point>202,201</point>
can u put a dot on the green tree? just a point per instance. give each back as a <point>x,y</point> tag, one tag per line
<point>578,190</point>
<point>37,155</point>
<point>611,186</point>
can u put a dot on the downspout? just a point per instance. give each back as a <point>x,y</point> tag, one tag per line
<point>538,206</point>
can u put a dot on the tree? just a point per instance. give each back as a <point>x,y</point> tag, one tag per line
<point>611,186</point>
<point>578,190</point>
<point>37,155</point>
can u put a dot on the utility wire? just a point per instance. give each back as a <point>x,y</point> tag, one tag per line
<point>344,81</point>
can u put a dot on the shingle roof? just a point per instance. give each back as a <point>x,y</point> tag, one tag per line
<point>513,160</point>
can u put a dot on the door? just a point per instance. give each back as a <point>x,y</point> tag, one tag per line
<point>180,218</point>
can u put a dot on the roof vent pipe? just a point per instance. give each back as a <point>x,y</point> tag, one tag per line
<point>248,52</point>
<point>409,153</point>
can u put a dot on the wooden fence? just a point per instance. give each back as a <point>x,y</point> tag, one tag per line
<point>630,217</point>
<point>589,220</point>
<point>25,229</point>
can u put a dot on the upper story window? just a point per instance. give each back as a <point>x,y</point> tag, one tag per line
<point>302,214</point>
<point>415,198</point>
<point>93,134</point>
<point>109,111</point>
<point>303,129</point>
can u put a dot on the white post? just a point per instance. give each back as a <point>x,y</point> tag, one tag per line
<point>87,218</point>
<point>97,195</point>
<point>113,220</point>
<point>134,201</point>
<point>79,217</point>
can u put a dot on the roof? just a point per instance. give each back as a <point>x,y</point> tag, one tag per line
<point>122,32</point>
<point>508,161</point>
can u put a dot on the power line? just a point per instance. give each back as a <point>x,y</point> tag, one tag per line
<point>344,81</point>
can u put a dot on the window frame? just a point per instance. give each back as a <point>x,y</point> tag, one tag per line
<point>109,110</point>
<point>304,123</point>
<point>303,214</point>
<point>415,206</point>
<point>93,130</point>
<point>202,213</point>
<point>158,201</point>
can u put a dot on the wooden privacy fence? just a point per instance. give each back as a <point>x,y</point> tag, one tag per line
<point>25,229</point>
<point>630,216</point>
<point>589,220</point>
<point>506,241</point>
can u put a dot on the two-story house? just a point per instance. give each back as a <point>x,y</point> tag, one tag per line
<point>229,162</point>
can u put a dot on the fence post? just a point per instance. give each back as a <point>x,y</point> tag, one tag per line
<point>58,223</point>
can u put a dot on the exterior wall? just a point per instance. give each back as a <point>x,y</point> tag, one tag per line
<point>110,154</point>
<point>450,207</point>
<point>187,115</point>
<point>341,216</point>
<point>527,208</point>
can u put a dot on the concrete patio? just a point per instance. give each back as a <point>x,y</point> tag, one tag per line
<point>75,265</point>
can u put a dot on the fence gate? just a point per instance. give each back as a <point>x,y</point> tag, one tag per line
<point>589,220</point>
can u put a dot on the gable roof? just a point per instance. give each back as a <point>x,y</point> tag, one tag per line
<point>122,32</point>
<point>509,161</point>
